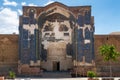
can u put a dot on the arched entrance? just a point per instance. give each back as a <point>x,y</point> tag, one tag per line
<point>56,33</point>
<point>56,66</point>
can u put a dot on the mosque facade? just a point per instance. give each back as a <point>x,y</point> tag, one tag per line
<point>56,38</point>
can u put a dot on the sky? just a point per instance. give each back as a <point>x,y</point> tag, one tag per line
<point>106,13</point>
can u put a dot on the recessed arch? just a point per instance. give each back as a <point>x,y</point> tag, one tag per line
<point>57,12</point>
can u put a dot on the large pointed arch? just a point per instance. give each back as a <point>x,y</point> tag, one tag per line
<point>54,9</point>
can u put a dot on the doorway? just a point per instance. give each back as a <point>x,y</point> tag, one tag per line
<point>56,66</point>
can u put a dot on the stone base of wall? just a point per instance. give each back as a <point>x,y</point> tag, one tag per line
<point>104,70</point>
<point>1,78</point>
<point>82,70</point>
<point>29,70</point>
<point>64,65</point>
<point>6,67</point>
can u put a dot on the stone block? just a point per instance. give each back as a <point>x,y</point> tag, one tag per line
<point>1,77</point>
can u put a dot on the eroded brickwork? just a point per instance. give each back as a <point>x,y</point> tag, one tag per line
<point>8,53</point>
<point>102,66</point>
<point>68,29</point>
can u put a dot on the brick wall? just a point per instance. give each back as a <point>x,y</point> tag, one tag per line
<point>102,66</point>
<point>8,53</point>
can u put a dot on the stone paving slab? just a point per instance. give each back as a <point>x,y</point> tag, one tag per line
<point>115,78</point>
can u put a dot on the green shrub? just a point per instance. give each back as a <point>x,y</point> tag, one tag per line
<point>91,74</point>
<point>12,74</point>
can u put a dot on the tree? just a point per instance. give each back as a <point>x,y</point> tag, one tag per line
<point>109,54</point>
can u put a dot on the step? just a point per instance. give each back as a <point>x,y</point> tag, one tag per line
<point>56,75</point>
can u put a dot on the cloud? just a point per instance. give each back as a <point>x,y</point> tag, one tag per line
<point>1,8</point>
<point>8,21</point>
<point>6,2</point>
<point>49,2</point>
<point>31,4</point>
<point>23,3</point>
<point>19,11</point>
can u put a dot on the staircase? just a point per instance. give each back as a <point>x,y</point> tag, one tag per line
<point>56,75</point>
